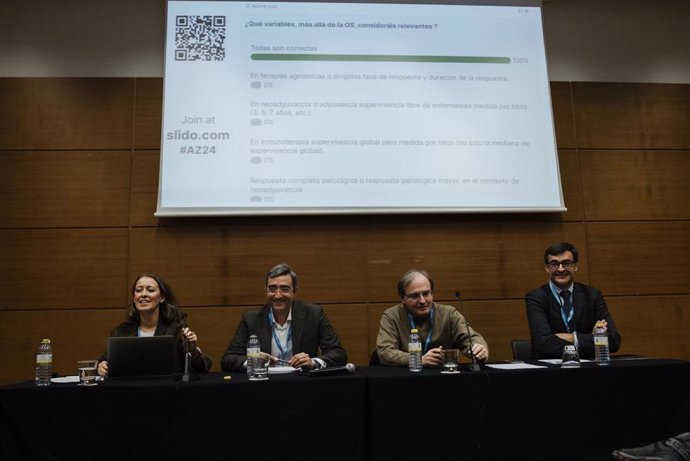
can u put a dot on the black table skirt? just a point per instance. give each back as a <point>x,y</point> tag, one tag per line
<point>376,413</point>
<point>286,417</point>
<point>549,413</point>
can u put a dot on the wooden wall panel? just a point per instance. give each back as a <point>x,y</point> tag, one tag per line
<point>653,326</point>
<point>226,264</point>
<point>148,113</point>
<point>74,334</point>
<point>572,187</point>
<point>63,269</point>
<point>145,170</point>
<point>561,102</point>
<point>499,321</point>
<point>350,323</point>
<point>636,185</point>
<point>639,257</point>
<point>374,312</point>
<point>64,189</point>
<point>66,113</point>
<point>632,115</point>
<point>197,262</point>
<point>485,261</point>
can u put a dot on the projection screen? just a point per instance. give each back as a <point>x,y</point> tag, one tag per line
<point>307,108</point>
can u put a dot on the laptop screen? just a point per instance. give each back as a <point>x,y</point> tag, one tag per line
<point>141,356</point>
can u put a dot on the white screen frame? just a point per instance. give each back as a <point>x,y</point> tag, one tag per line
<point>214,181</point>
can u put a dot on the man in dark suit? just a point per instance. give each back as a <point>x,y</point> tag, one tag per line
<point>565,312</point>
<point>291,332</point>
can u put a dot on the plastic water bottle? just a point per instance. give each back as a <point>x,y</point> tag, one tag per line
<point>253,349</point>
<point>414,347</point>
<point>44,363</point>
<point>601,347</point>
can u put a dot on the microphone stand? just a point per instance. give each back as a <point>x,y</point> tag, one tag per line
<point>475,364</point>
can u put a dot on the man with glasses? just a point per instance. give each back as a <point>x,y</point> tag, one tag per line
<point>564,312</point>
<point>440,326</point>
<point>291,332</point>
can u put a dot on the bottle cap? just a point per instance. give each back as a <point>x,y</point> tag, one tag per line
<point>414,330</point>
<point>45,341</point>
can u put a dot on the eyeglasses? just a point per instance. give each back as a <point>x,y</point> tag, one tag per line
<point>273,289</point>
<point>567,265</point>
<point>419,294</point>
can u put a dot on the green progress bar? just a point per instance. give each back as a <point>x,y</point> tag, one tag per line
<point>380,58</point>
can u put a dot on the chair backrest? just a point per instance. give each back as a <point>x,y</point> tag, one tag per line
<point>522,349</point>
<point>374,359</point>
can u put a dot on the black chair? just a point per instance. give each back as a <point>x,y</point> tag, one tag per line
<point>522,349</point>
<point>374,359</point>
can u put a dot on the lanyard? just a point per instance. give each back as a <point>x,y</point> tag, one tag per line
<point>566,318</point>
<point>283,353</point>
<point>427,341</point>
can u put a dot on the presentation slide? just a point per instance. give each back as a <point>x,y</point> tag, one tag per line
<point>307,108</point>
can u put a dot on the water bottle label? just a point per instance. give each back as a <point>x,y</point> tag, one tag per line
<point>253,351</point>
<point>601,340</point>
<point>415,347</point>
<point>44,359</point>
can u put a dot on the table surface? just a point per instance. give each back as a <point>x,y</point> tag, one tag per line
<point>375,413</point>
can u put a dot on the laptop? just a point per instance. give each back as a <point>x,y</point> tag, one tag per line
<point>142,356</point>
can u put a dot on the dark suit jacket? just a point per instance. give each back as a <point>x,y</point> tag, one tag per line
<point>311,332</point>
<point>200,364</point>
<point>544,318</point>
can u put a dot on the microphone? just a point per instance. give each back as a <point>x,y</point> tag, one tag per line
<point>187,377</point>
<point>341,370</point>
<point>475,365</point>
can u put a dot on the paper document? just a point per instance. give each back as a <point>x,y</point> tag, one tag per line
<point>513,366</point>
<point>558,361</point>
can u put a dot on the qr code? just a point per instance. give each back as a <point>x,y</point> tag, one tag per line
<point>199,38</point>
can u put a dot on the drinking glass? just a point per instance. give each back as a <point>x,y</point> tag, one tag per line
<point>260,369</point>
<point>450,361</point>
<point>87,371</point>
<point>571,358</point>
